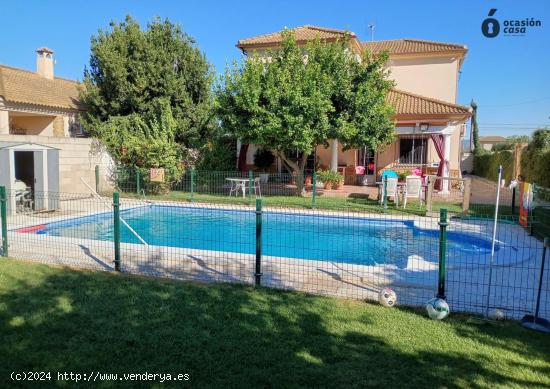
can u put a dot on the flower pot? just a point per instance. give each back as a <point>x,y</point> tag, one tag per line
<point>308,180</point>
<point>264,177</point>
<point>328,185</point>
<point>339,185</point>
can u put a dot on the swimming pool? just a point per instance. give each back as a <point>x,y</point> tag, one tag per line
<point>365,241</point>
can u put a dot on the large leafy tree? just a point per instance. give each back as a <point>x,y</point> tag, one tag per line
<point>294,99</point>
<point>133,75</point>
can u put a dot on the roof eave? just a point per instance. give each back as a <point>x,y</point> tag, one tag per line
<point>275,45</point>
<point>432,116</point>
<point>61,107</point>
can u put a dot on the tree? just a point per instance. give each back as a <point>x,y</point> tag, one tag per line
<point>133,72</point>
<point>535,160</point>
<point>510,142</point>
<point>296,99</point>
<point>475,130</point>
<point>145,141</point>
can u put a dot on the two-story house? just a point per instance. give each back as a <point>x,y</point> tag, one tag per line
<point>428,122</point>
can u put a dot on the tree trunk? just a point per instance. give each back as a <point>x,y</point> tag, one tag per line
<point>297,168</point>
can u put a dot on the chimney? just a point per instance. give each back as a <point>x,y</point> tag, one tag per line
<point>44,62</point>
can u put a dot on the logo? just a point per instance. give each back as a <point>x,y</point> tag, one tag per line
<point>490,27</point>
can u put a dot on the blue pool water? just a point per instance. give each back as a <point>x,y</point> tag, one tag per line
<point>305,236</point>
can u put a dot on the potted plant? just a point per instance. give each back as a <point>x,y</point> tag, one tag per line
<point>325,177</point>
<point>331,179</point>
<point>263,159</point>
<point>403,175</point>
<point>338,180</point>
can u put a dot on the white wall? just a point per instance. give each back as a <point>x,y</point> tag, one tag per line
<point>434,77</point>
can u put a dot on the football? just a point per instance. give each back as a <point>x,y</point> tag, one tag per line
<point>387,297</point>
<point>437,309</point>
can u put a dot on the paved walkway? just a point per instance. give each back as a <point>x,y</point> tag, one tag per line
<point>514,274</point>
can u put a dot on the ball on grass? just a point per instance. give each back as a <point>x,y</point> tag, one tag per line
<point>437,309</point>
<point>387,297</point>
<point>497,314</point>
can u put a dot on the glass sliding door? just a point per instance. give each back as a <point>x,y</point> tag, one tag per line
<point>366,158</point>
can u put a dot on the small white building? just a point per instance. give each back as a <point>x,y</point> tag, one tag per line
<point>30,163</point>
<point>41,141</point>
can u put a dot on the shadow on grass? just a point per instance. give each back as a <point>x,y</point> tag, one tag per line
<point>61,320</point>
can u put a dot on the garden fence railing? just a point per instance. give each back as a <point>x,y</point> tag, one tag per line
<point>338,251</point>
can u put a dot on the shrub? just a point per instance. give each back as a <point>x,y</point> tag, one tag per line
<point>263,159</point>
<point>486,165</point>
<point>328,176</point>
<point>218,155</point>
<point>535,160</point>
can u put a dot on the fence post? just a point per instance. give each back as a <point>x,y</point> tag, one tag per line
<point>250,183</point>
<point>531,217</point>
<point>385,193</point>
<point>4,216</point>
<point>466,199</point>
<point>97,178</point>
<point>116,229</point>
<point>192,184</point>
<point>258,273</point>
<point>513,201</point>
<point>442,252</point>
<point>429,198</point>
<point>314,190</point>
<point>138,181</point>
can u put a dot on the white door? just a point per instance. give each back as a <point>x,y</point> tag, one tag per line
<point>366,158</point>
<point>40,180</point>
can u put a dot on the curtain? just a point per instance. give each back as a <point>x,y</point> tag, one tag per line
<point>241,163</point>
<point>439,143</point>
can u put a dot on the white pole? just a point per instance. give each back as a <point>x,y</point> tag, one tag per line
<point>495,224</point>
<point>496,213</point>
<point>95,194</point>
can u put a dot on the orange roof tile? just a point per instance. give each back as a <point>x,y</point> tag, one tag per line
<point>410,105</point>
<point>302,34</point>
<point>492,138</point>
<point>23,86</point>
<point>411,46</point>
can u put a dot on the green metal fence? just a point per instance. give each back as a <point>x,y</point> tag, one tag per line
<point>460,196</point>
<point>341,251</point>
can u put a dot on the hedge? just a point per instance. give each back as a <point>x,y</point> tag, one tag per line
<point>486,165</point>
<point>535,166</point>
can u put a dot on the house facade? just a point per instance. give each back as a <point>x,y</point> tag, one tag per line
<point>41,141</point>
<point>429,124</point>
<point>487,142</point>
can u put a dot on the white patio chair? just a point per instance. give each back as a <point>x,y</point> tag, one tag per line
<point>413,188</point>
<point>23,196</point>
<point>235,187</point>
<point>257,188</point>
<point>391,190</point>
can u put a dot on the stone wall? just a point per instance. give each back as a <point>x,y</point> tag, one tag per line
<point>76,159</point>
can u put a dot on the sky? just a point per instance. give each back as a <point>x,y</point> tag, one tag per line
<point>507,76</point>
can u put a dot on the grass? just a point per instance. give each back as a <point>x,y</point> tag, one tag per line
<point>55,319</point>
<point>350,204</point>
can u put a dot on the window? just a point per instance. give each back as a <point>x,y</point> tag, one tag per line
<point>413,150</point>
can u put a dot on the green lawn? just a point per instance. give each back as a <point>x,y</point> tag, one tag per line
<point>55,319</point>
<point>351,204</point>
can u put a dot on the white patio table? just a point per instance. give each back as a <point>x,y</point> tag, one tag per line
<point>238,183</point>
